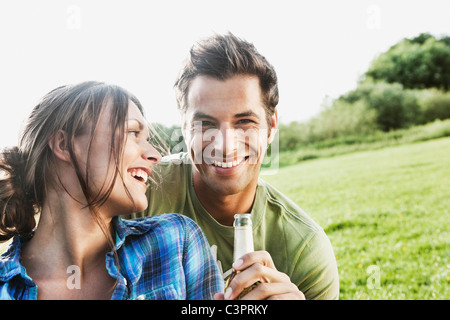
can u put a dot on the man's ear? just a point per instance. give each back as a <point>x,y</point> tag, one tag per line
<point>183,124</point>
<point>273,126</point>
<point>185,132</point>
<point>58,143</point>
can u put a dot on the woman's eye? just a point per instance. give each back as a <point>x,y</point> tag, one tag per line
<point>134,132</point>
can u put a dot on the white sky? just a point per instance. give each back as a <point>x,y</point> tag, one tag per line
<point>318,48</point>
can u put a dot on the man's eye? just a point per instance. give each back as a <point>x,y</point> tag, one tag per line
<point>245,121</point>
<point>206,123</point>
<point>203,124</point>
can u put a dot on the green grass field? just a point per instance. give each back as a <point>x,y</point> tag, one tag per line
<point>387,214</point>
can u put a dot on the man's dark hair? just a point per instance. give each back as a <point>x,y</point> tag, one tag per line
<point>222,57</point>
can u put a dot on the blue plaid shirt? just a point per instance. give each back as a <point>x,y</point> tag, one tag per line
<point>163,257</point>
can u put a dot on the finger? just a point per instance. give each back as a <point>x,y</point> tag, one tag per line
<point>288,296</point>
<point>261,257</point>
<point>259,272</point>
<point>275,291</point>
<point>218,296</point>
<point>249,276</point>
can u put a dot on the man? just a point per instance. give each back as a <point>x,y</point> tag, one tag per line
<point>227,94</point>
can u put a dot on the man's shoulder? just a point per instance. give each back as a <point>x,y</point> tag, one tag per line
<point>181,158</point>
<point>172,168</point>
<point>281,205</point>
<point>303,250</point>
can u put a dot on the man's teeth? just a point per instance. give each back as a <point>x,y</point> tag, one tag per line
<point>139,174</point>
<point>226,164</point>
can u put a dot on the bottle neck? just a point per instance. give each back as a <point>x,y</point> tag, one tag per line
<point>243,241</point>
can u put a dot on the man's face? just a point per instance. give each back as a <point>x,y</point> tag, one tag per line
<point>227,134</point>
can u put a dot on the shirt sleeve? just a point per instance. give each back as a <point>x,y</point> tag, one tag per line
<point>320,274</point>
<point>203,278</point>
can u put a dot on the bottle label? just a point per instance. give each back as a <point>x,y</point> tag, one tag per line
<point>243,242</point>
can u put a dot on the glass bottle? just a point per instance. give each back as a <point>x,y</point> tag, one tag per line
<point>243,244</point>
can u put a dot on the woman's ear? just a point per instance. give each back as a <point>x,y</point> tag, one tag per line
<point>58,143</point>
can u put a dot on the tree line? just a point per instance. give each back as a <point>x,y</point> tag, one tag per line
<point>405,86</point>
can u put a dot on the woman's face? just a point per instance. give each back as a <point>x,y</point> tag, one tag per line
<point>134,168</point>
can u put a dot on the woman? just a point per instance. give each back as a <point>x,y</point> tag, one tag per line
<point>83,159</point>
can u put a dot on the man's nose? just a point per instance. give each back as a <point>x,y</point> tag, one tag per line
<point>226,142</point>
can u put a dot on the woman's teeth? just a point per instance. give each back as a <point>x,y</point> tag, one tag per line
<point>139,174</point>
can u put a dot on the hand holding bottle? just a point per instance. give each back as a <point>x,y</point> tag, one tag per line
<point>254,274</point>
<point>258,266</point>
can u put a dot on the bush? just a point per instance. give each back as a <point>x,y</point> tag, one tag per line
<point>342,118</point>
<point>395,107</point>
<point>339,119</point>
<point>293,135</point>
<point>434,104</point>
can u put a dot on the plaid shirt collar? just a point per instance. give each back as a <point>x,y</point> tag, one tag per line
<point>125,228</point>
<point>145,272</point>
<point>10,265</point>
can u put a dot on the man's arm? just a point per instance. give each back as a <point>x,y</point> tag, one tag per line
<point>315,264</point>
<point>318,267</point>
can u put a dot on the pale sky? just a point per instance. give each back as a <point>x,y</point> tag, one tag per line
<point>318,48</point>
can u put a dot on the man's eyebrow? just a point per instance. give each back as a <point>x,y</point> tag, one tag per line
<point>246,114</point>
<point>202,115</point>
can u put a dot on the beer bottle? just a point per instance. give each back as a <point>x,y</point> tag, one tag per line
<point>243,243</point>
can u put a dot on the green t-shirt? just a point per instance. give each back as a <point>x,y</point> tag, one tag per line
<point>299,247</point>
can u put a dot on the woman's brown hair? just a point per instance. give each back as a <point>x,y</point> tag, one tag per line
<point>26,169</point>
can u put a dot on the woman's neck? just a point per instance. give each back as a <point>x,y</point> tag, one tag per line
<point>67,238</point>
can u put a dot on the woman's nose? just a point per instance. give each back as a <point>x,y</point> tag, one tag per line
<point>152,154</point>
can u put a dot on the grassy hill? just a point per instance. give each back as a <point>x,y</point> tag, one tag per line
<point>387,214</point>
<point>361,142</point>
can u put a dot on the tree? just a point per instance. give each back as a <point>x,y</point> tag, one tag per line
<point>418,63</point>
